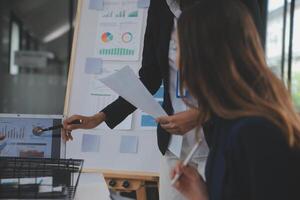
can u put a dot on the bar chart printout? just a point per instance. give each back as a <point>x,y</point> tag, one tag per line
<point>117,52</point>
<point>14,133</point>
<point>19,140</point>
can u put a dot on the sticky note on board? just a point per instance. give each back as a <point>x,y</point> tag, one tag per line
<point>93,66</point>
<point>96,4</point>
<point>90,143</point>
<point>148,121</point>
<point>129,144</point>
<point>143,3</point>
<point>159,93</point>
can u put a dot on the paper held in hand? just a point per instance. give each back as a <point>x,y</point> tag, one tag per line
<point>127,85</point>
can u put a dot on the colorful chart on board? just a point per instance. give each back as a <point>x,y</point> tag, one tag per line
<point>127,37</point>
<point>107,37</point>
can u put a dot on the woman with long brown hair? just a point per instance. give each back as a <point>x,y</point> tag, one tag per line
<point>249,120</point>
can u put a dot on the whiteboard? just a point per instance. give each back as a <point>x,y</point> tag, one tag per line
<point>100,49</point>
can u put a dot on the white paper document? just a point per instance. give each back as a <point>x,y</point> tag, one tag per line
<point>127,85</point>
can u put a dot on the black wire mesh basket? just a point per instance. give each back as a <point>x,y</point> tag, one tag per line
<point>39,178</point>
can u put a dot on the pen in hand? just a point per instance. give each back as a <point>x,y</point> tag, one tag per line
<point>186,161</point>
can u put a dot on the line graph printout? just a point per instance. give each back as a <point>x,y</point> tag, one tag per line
<point>119,31</point>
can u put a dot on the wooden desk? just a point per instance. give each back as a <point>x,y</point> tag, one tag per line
<point>130,181</point>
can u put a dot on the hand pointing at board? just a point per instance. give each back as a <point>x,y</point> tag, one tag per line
<point>88,122</point>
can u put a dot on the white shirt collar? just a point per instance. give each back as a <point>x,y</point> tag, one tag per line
<point>174,7</point>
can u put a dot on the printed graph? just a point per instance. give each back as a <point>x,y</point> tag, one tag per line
<point>108,14</point>
<point>121,14</point>
<point>119,32</point>
<point>127,37</point>
<point>133,14</point>
<point>117,52</point>
<point>13,133</point>
<point>107,37</point>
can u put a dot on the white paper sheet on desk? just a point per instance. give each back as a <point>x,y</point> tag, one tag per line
<point>92,186</point>
<point>127,85</point>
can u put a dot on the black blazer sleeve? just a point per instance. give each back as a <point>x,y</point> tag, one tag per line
<point>269,162</point>
<point>149,73</point>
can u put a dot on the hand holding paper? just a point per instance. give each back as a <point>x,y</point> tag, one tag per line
<point>127,85</point>
<point>180,123</point>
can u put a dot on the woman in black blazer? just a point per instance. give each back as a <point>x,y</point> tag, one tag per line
<point>249,120</point>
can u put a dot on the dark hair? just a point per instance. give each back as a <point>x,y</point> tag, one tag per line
<point>222,64</point>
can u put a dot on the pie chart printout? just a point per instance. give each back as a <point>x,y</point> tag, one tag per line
<point>107,37</point>
<point>127,37</point>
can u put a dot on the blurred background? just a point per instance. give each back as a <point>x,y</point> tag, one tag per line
<point>283,43</point>
<point>35,46</point>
